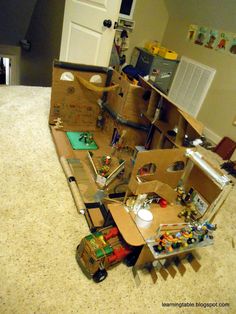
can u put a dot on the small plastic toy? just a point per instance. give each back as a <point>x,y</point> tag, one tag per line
<point>104,170</point>
<point>189,212</point>
<point>181,194</point>
<point>190,236</point>
<point>163,203</point>
<point>87,138</point>
<point>106,160</point>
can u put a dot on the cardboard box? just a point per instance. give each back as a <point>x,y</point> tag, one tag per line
<point>127,101</point>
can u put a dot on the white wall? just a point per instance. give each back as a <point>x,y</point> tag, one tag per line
<point>13,53</point>
<point>151,18</point>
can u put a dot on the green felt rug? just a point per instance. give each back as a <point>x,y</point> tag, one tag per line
<point>78,141</point>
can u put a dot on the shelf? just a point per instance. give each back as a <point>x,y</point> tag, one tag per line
<point>173,116</point>
<point>164,128</point>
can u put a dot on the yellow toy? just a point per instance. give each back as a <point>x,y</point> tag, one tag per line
<point>180,194</point>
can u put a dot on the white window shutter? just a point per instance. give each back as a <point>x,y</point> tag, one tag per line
<point>190,85</point>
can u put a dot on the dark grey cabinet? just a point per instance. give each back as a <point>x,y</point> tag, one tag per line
<point>160,70</point>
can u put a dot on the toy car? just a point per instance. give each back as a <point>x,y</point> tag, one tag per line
<point>99,251</point>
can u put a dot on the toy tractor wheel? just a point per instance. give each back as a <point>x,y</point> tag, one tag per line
<point>100,275</point>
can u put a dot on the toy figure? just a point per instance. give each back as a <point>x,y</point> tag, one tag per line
<point>180,194</point>
<point>200,39</point>
<point>104,170</point>
<point>163,203</point>
<point>189,212</point>
<point>213,34</point>
<point>87,138</point>
<point>222,42</point>
<point>210,42</point>
<point>59,123</point>
<point>233,46</point>
<point>187,236</point>
<point>106,160</point>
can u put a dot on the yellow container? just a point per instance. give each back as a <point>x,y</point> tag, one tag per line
<point>155,50</point>
<point>167,54</point>
<point>152,45</point>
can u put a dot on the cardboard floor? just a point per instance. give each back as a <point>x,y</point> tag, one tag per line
<point>40,229</point>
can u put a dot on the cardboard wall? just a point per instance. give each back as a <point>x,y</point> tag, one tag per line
<point>73,103</point>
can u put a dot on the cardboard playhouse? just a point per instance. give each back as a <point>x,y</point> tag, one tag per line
<point>132,141</point>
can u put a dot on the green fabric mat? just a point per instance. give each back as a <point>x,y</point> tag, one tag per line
<point>77,140</point>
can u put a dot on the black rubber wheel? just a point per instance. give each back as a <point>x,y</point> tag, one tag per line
<point>100,275</point>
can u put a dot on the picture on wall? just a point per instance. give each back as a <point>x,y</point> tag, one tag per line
<point>222,41</point>
<point>232,44</point>
<point>201,35</point>
<point>192,32</point>
<point>211,39</point>
<point>217,40</point>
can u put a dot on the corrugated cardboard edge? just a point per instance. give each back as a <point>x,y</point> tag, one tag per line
<point>195,124</point>
<point>127,226</point>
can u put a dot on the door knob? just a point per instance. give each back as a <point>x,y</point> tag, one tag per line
<point>107,23</point>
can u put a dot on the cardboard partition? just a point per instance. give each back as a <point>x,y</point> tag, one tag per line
<point>127,101</point>
<point>160,188</point>
<point>166,116</point>
<point>95,215</point>
<point>115,169</point>
<point>164,161</point>
<point>132,137</point>
<point>74,106</point>
<point>170,108</point>
<point>126,225</point>
<point>84,179</point>
<point>198,180</point>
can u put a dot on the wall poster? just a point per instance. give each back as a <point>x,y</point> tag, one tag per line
<point>210,38</point>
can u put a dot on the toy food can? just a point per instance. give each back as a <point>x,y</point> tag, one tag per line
<point>144,218</point>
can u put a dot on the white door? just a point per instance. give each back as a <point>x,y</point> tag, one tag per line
<point>85,39</point>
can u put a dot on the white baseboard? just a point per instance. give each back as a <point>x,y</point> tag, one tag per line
<point>212,136</point>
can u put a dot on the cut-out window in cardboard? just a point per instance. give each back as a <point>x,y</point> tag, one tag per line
<point>147,169</point>
<point>67,76</point>
<point>97,79</point>
<point>176,166</point>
